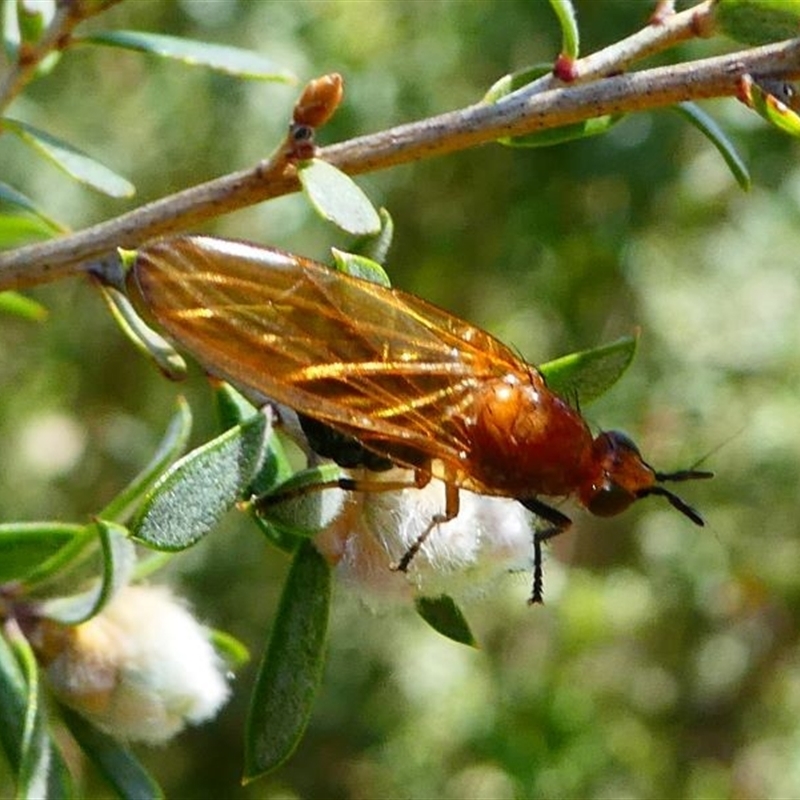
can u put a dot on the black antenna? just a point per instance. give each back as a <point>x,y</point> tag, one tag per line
<point>683,475</point>
<point>674,500</point>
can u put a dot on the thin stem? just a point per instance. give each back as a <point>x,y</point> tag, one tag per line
<point>616,58</point>
<point>514,115</point>
<point>68,14</point>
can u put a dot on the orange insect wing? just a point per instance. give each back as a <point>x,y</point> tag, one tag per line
<point>388,368</point>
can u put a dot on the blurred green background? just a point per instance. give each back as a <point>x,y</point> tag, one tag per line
<point>665,662</point>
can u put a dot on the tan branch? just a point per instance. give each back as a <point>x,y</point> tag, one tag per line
<point>516,114</point>
<point>67,16</point>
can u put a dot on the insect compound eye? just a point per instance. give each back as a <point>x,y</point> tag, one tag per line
<point>609,500</point>
<point>619,441</point>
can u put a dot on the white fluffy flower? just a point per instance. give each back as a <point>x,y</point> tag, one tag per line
<point>490,535</point>
<point>141,669</point>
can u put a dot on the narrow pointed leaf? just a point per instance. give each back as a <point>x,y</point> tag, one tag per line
<point>19,305</point>
<point>115,762</point>
<point>72,563</point>
<point>24,546</point>
<point>232,406</point>
<point>17,665</point>
<point>74,162</point>
<point>232,650</point>
<point>231,60</point>
<point>445,617</point>
<point>191,498</point>
<point>376,246</point>
<point>515,80</point>
<point>708,126</point>
<point>171,446</point>
<point>149,563</point>
<point>143,337</point>
<point>32,21</point>
<point>552,136</point>
<point>23,23</point>
<point>119,560</point>
<point>303,513</point>
<point>37,747</point>
<point>590,373</point>
<point>337,198</point>
<point>360,267</point>
<point>11,196</point>
<point>566,133</point>
<point>774,110</point>
<point>233,409</point>
<point>60,784</point>
<point>19,229</point>
<point>570,36</point>
<point>758,21</point>
<point>13,702</point>
<point>275,469</point>
<point>282,538</point>
<point>291,672</point>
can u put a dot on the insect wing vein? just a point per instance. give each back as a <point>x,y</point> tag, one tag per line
<point>372,361</point>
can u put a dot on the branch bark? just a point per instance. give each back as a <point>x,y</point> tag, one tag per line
<point>534,108</point>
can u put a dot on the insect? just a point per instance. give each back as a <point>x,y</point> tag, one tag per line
<point>411,384</point>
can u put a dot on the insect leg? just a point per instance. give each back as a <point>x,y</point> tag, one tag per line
<point>557,523</point>
<point>450,511</point>
<point>264,501</point>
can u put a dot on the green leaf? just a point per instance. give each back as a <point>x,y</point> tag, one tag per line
<point>232,406</point>
<point>149,563</point>
<point>376,245</point>
<point>552,136</point>
<point>277,467</point>
<point>231,650</point>
<point>233,409</point>
<point>141,335</point>
<point>298,507</point>
<point>10,196</point>
<point>445,617</point>
<point>118,765</point>
<point>73,563</point>
<point>37,747</point>
<point>566,133</point>
<point>19,305</point>
<point>18,229</point>
<point>13,702</point>
<point>291,672</point>
<point>24,22</point>
<point>171,446</point>
<point>586,375</point>
<point>231,60</point>
<point>32,21</point>
<point>337,198</point>
<point>775,111</point>
<point>30,752</point>
<point>24,546</point>
<point>570,36</point>
<point>707,125</point>
<point>360,267</point>
<point>282,538</point>
<point>119,560</point>
<point>74,162</point>
<point>515,80</point>
<point>191,498</point>
<point>758,21</point>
